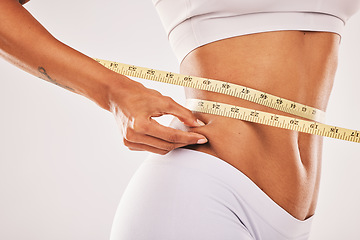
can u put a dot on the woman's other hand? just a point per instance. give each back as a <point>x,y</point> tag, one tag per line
<point>134,105</point>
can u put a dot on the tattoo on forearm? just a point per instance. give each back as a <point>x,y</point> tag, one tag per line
<point>46,76</point>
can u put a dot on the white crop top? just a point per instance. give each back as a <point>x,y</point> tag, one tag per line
<point>193,23</point>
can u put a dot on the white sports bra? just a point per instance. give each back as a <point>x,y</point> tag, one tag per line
<point>193,23</point>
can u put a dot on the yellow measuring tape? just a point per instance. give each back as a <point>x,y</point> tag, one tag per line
<point>316,116</point>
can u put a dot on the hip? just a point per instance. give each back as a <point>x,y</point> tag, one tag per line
<point>285,164</point>
<point>195,195</point>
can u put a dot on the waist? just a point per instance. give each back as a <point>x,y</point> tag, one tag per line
<point>298,66</point>
<point>295,65</point>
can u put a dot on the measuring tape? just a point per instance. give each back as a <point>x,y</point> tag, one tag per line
<point>311,126</point>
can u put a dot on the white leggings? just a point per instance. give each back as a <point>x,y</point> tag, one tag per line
<point>190,195</point>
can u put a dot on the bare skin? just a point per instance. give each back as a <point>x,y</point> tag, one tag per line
<point>28,45</point>
<point>292,64</point>
<point>296,65</point>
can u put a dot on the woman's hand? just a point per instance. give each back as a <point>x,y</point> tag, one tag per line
<point>134,105</point>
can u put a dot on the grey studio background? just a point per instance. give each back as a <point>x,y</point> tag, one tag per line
<point>63,167</point>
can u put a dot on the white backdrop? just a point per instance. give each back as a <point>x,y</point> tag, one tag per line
<point>63,167</point>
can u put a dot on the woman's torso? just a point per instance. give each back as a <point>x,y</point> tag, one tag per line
<point>295,65</point>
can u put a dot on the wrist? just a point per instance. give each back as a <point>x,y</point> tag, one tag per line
<point>107,87</point>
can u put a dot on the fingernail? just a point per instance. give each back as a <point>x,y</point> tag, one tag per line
<point>199,122</point>
<point>201,141</point>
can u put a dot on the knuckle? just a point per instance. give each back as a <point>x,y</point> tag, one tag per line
<point>169,102</point>
<point>187,113</point>
<point>129,144</point>
<point>173,138</point>
<point>140,126</point>
<point>169,147</point>
<point>155,93</point>
<point>129,135</point>
<point>169,99</point>
<point>126,142</point>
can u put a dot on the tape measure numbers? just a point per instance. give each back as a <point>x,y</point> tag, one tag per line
<point>315,115</point>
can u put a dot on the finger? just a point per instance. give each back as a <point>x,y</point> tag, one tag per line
<point>143,147</point>
<point>172,135</point>
<point>183,114</point>
<point>133,138</point>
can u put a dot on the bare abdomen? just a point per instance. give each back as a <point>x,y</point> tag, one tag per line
<point>295,65</point>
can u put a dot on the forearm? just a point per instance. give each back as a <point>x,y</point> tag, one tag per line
<point>27,44</point>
